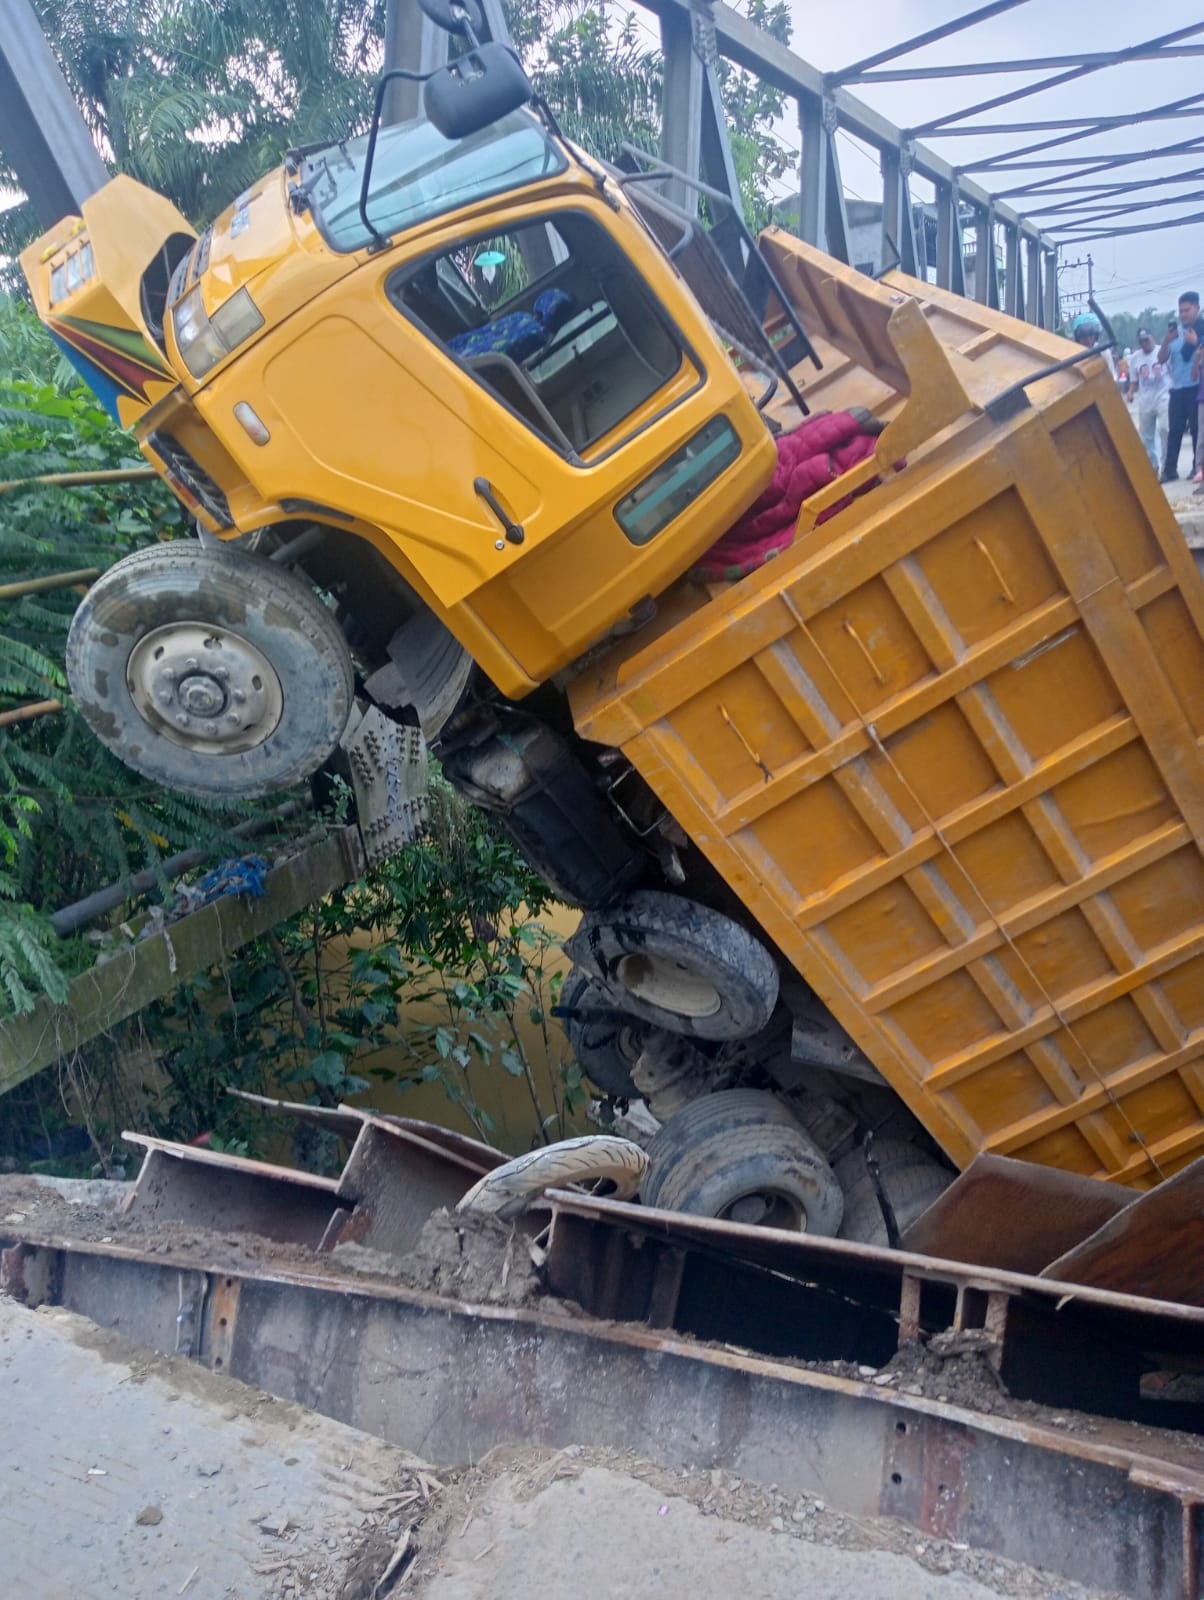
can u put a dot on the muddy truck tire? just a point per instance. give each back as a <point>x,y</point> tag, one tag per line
<point>606,1042</point>
<point>678,965</point>
<point>210,671</point>
<point>911,1178</point>
<point>740,1155</point>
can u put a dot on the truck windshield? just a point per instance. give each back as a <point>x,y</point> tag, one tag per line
<point>418,174</point>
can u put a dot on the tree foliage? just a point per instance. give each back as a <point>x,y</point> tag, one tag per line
<point>198,98</point>
<point>1126,323</point>
<point>71,816</point>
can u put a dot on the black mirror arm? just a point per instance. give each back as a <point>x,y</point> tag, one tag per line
<point>379,242</point>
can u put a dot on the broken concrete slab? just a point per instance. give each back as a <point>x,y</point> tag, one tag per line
<point>610,1532</point>
<point>124,1473</point>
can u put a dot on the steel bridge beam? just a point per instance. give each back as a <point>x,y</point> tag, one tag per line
<point>1092,195</point>
<point>41,130</point>
<point>1090,166</point>
<point>1013,286</point>
<point>748,46</point>
<point>412,42</point>
<point>823,220</point>
<point>1141,227</point>
<point>1052,83</point>
<point>899,240</point>
<point>917,41</point>
<point>681,107</point>
<point>979,69</point>
<point>1183,107</point>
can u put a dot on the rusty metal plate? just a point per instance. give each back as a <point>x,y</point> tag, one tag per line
<point>1154,1247</point>
<point>180,1185</point>
<point>1013,1214</point>
<point>396,1179</point>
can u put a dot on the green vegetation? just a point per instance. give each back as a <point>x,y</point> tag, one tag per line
<point>197,98</point>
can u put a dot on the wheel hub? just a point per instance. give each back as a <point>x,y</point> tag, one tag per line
<point>204,688</point>
<point>765,1209</point>
<point>669,984</point>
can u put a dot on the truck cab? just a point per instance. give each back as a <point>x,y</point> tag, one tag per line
<point>478,366</point>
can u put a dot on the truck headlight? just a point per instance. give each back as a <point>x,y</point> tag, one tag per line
<point>203,340</point>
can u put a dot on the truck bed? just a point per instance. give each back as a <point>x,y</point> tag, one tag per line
<point>946,748</point>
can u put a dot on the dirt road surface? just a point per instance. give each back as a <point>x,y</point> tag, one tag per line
<point>122,1473</point>
<point>126,1473</point>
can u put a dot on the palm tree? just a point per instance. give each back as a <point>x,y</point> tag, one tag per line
<point>197,98</point>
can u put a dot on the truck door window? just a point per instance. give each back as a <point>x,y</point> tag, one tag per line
<point>553,320</point>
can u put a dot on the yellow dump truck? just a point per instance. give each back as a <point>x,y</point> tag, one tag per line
<point>889,848</point>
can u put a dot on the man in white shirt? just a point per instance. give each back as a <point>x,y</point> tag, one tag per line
<point>1150,382</point>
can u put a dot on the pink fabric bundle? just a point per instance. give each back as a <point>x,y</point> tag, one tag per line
<point>816,453</point>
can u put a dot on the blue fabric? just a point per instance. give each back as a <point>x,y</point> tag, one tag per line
<point>1179,359</point>
<point>234,877</point>
<point>520,333</point>
<point>517,335</point>
<point>554,307</point>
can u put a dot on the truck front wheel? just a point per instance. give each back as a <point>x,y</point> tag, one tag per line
<point>210,671</point>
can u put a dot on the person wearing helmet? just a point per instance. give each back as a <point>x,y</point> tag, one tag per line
<point>1086,330</point>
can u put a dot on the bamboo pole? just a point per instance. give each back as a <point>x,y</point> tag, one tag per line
<point>39,708</point>
<point>70,480</point>
<point>56,580</point>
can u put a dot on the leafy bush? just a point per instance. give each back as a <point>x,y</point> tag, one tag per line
<point>437,955</point>
<point>72,818</point>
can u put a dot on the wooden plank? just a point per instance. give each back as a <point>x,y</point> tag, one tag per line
<point>1013,1214</point>
<point>115,989</point>
<point>1154,1247</point>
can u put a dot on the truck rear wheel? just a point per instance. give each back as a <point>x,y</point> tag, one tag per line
<point>210,671</point>
<point>606,1043</point>
<point>911,1178</point>
<point>741,1156</point>
<point>679,965</point>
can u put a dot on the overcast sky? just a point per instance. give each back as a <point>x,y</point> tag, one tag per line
<point>1130,273</point>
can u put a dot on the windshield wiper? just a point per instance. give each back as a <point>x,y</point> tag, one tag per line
<point>301,195</point>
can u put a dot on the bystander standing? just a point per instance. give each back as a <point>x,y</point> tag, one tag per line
<point>1150,385</point>
<point>1178,349</point>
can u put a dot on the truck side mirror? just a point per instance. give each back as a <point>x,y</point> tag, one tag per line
<point>479,87</point>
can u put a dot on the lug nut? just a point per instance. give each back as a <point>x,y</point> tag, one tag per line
<point>191,664</point>
<point>183,718</point>
<point>169,674</point>
<point>240,695</point>
<point>221,672</point>
<point>232,718</point>
<point>165,697</point>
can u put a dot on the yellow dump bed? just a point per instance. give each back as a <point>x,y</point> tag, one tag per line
<point>946,748</point>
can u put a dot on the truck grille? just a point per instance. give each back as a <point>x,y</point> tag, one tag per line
<point>183,472</point>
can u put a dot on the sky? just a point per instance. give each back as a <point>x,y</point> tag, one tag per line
<point>1129,273</point>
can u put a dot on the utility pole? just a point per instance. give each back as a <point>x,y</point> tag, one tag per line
<point>1068,300</point>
